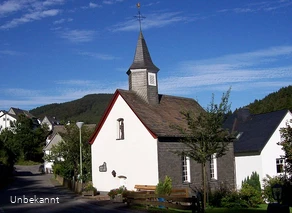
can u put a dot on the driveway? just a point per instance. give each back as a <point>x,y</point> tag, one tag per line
<point>35,192</point>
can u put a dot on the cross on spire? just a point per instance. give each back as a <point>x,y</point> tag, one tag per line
<point>139,16</point>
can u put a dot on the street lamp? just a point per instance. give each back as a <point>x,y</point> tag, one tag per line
<point>80,124</point>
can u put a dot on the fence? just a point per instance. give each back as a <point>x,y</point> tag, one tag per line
<point>74,186</point>
<point>150,199</point>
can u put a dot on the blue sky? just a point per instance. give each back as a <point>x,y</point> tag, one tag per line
<point>53,51</point>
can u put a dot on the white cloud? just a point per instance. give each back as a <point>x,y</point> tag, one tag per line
<point>78,36</point>
<point>9,7</point>
<point>258,6</point>
<point>10,52</point>
<point>241,71</point>
<point>93,5</point>
<point>29,17</point>
<point>98,55</point>
<point>153,20</point>
<point>19,92</point>
<point>60,21</point>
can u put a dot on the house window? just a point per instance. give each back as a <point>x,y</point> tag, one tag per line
<point>120,130</point>
<point>186,171</point>
<point>213,167</point>
<point>152,79</point>
<point>280,163</point>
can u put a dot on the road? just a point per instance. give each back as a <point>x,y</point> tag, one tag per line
<point>35,192</point>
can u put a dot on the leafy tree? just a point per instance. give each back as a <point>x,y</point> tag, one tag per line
<point>23,141</point>
<point>205,135</point>
<point>66,154</point>
<point>286,143</point>
<point>10,148</point>
<point>30,136</point>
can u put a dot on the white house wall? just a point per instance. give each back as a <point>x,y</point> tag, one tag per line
<point>272,151</point>
<point>5,121</point>
<point>245,165</point>
<point>265,163</point>
<point>135,157</point>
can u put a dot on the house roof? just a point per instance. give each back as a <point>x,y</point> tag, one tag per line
<point>142,59</point>
<point>17,111</point>
<point>158,119</point>
<point>254,131</point>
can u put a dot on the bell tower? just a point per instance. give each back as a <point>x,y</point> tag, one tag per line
<point>143,73</point>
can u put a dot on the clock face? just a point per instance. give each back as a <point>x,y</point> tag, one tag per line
<point>152,79</point>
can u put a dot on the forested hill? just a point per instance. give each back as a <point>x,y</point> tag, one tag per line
<point>281,99</point>
<point>88,109</point>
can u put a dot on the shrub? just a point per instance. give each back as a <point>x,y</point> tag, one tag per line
<point>253,180</point>
<point>122,190</point>
<point>89,187</point>
<point>268,183</point>
<point>165,187</point>
<point>250,195</point>
<point>233,200</point>
<point>216,196</point>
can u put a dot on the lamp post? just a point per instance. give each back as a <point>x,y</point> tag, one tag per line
<point>80,124</point>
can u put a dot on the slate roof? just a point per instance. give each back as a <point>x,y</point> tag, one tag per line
<point>17,111</point>
<point>142,59</point>
<point>158,119</point>
<point>255,130</point>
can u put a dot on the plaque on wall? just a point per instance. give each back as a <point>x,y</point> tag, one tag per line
<point>103,168</point>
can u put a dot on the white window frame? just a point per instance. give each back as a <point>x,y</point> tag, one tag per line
<point>153,77</point>
<point>213,167</point>
<point>186,169</point>
<point>120,129</point>
<point>281,163</point>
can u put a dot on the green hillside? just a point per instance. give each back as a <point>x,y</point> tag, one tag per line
<point>88,109</point>
<point>282,99</point>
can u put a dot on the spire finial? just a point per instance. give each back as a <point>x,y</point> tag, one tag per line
<point>139,16</point>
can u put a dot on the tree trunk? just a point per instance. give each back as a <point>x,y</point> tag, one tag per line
<point>204,186</point>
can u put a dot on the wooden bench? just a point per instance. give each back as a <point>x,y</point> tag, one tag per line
<point>176,192</point>
<point>145,187</point>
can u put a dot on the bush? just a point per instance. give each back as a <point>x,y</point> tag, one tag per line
<point>122,190</point>
<point>268,183</point>
<point>165,187</point>
<point>250,195</point>
<point>233,200</point>
<point>253,180</point>
<point>216,196</point>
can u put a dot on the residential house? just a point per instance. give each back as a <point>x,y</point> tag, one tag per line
<point>256,148</point>
<point>50,122</point>
<point>8,118</point>
<point>135,140</point>
<point>53,139</point>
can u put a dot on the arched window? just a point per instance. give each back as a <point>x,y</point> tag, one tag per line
<point>186,173</point>
<point>120,130</point>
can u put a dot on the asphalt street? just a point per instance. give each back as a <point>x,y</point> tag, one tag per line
<point>35,192</point>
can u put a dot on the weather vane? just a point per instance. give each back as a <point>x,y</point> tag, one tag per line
<point>139,16</point>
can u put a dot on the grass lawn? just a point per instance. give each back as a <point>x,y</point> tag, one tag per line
<point>262,208</point>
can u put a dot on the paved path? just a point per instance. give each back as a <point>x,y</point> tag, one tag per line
<point>34,192</point>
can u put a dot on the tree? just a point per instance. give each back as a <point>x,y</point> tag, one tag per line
<point>205,135</point>
<point>66,154</point>
<point>286,143</point>
<point>30,136</point>
<point>24,141</point>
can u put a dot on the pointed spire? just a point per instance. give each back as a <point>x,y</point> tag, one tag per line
<point>142,59</point>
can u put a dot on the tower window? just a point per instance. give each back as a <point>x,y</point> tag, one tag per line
<point>152,79</point>
<point>120,129</point>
